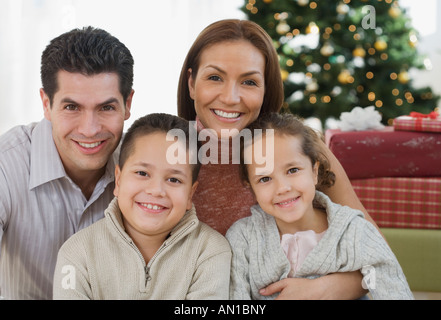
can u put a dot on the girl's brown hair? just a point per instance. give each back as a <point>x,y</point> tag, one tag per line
<point>232,30</point>
<point>312,144</point>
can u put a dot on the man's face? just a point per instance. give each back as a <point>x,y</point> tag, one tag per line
<point>87,116</point>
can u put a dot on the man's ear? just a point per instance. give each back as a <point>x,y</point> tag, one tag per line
<point>128,106</point>
<point>46,104</point>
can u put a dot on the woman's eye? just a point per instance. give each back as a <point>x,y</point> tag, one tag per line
<point>214,78</point>
<point>293,170</point>
<point>250,83</point>
<point>141,173</point>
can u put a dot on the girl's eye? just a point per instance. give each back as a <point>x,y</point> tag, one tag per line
<point>293,170</point>
<point>264,179</point>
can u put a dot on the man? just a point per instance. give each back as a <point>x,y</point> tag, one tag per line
<point>57,176</point>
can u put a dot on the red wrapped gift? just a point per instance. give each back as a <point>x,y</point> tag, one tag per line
<point>418,122</point>
<point>386,153</point>
<point>401,202</point>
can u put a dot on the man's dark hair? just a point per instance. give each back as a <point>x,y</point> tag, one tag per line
<point>158,122</point>
<point>88,51</point>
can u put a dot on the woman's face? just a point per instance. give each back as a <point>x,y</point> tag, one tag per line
<point>229,87</point>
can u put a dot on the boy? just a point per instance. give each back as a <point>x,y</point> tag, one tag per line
<point>150,245</point>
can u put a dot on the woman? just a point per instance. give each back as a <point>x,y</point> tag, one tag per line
<point>230,76</point>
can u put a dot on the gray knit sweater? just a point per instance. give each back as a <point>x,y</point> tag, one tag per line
<point>350,243</point>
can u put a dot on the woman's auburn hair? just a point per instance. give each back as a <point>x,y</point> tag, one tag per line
<point>232,30</point>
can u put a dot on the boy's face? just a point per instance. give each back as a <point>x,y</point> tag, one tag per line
<point>153,195</point>
<point>288,191</point>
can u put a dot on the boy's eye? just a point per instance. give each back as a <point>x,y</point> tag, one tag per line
<point>264,179</point>
<point>174,180</point>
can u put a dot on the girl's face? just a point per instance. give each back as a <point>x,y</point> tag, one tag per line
<point>288,191</point>
<point>229,87</point>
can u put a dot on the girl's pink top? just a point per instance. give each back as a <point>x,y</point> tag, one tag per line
<point>297,246</point>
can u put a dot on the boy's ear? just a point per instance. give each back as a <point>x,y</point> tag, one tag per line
<point>190,197</point>
<point>117,177</point>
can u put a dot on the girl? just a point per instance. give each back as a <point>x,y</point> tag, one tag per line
<point>297,231</point>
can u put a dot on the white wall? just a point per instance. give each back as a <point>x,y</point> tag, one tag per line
<point>158,33</point>
<point>426,18</point>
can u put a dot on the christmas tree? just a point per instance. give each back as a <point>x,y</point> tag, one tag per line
<point>336,55</point>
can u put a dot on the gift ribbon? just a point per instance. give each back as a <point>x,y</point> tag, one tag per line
<point>432,115</point>
<point>420,116</point>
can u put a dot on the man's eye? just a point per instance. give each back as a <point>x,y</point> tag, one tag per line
<point>108,108</point>
<point>71,107</point>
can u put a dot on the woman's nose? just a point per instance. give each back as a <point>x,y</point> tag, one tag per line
<point>230,94</point>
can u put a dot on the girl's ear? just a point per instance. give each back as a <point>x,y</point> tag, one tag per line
<point>315,170</point>
<point>117,178</point>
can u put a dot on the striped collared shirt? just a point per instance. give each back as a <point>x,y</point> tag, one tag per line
<point>40,207</point>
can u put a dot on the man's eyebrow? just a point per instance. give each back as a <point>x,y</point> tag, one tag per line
<point>108,101</point>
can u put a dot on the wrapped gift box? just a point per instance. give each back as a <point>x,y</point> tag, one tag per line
<point>412,203</point>
<point>408,123</point>
<point>386,153</point>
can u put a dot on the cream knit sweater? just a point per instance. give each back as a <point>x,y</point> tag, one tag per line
<point>102,262</point>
